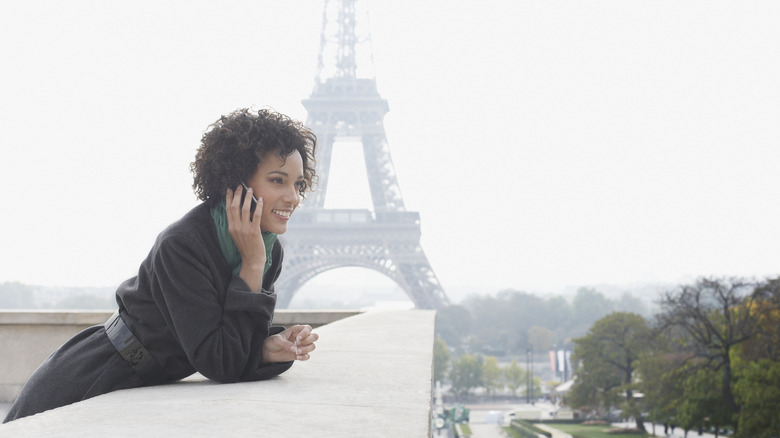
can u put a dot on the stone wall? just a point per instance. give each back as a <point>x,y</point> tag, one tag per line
<point>370,376</point>
<point>28,337</point>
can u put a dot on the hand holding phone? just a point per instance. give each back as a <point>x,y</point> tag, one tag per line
<point>246,234</point>
<point>254,201</point>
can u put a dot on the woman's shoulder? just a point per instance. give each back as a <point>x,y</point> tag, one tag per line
<point>195,227</point>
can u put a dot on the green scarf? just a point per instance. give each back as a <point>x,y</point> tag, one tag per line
<point>229,248</point>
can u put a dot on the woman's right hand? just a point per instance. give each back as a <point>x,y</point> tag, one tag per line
<point>295,343</point>
<point>244,228</point>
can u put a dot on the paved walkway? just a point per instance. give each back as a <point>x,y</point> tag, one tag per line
<point>659,431</point>
<point>555,432</point>
<point>486,431</point>
<point>482,429</point>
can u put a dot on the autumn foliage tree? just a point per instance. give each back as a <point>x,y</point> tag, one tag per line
<point>756,365</point>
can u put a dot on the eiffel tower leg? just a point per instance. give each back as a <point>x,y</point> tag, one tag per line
<point>325,140</point>
<point>382,181</point>
<point>415,275</point>
<point>390,245</point>
<point>423,286</point>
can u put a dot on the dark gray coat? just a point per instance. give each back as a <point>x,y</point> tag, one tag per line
<point>188,310</point>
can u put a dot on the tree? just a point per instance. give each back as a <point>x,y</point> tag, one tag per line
<point>453,324</point>
<point>765,308</point>
<point>491,375</point>
<point>540,338</point>
<point>505,320</point>
<point>609,354</point>
<point>709,319</point>
<point>86,301</point>
<point>510,322</point>
<point>535,389</point>
<point>514,376</point>
<point>558,316</point>
<point>466,373</point>
<point>441,359</point>
<point>662,375</point>
<point>498,333</point>
<point>702,403</point>
<point>16,296</point>
<point>756,365</point>
<point>630,303</point>
<point>588,306</point>
<point>758,392</point>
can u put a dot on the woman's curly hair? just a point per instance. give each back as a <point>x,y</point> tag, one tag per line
<point>233,147</point>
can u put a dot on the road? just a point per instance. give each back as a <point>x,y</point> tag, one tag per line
<point>480,428</point>
<point>482,418</point>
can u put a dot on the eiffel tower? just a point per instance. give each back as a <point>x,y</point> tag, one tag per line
<point>345,104</point>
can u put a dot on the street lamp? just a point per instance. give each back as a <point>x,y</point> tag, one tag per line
<point>528,376</point>
<point>531,372</point>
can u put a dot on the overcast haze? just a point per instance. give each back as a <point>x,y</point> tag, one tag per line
<point>546,144</point>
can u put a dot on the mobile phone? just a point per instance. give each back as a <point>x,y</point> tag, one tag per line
<point>254,201</point>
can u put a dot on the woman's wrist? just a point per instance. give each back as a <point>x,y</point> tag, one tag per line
<point>252,274</point>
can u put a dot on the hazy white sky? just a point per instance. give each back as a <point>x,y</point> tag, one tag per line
<point>546,144</point>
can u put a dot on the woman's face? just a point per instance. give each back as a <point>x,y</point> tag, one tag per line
<point>277,181</point>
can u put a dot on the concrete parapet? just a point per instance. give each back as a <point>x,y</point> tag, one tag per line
<point>27,337</point>
<point>314,318</point>
<point>528,414</point>
<point>370,375</point>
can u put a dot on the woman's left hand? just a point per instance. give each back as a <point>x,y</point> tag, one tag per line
<point>295,343</point>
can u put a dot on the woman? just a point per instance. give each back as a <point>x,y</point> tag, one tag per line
<point>203,299</point>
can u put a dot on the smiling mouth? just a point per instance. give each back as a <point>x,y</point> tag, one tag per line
<point>282,213</point>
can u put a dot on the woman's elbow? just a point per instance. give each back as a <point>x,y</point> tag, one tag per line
<point>222,370</point>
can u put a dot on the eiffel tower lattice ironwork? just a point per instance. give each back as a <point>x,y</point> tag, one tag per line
<point>345,104</point>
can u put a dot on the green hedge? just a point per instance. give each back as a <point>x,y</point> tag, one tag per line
<point>462,430</point>
<point>528,430</point>
<point>573,421</point>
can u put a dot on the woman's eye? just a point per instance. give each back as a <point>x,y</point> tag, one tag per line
<point>276,180</point>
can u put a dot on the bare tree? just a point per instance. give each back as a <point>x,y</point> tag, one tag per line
<point>710,318</point>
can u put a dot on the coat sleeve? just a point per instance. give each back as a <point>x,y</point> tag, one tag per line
<point>221,331</point>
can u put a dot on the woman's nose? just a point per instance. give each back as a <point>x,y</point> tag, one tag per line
<point>292,195</point>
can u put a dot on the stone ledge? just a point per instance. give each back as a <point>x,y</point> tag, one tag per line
<point>32,335</point>
<point>371,375</point>
<point>315,318</point>
<point>54,317</point>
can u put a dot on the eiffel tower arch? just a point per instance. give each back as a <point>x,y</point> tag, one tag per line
<point>345,104</point>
